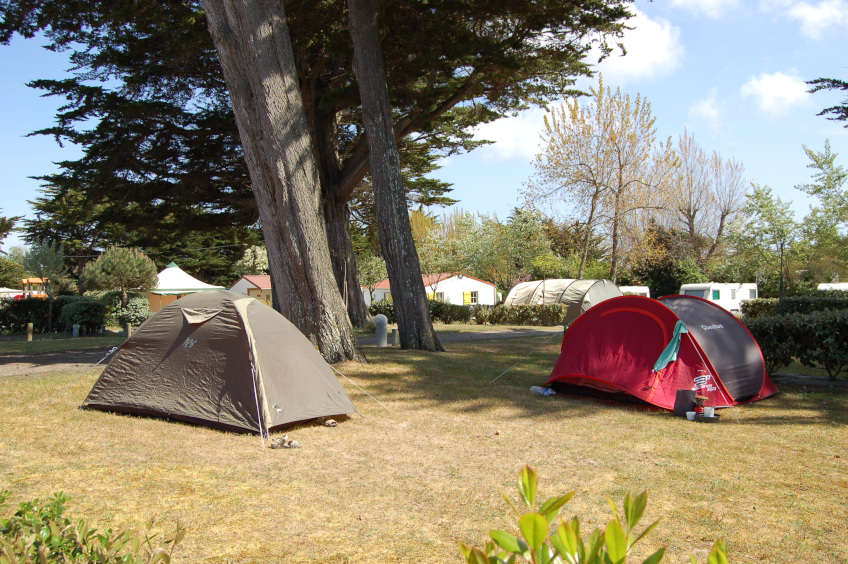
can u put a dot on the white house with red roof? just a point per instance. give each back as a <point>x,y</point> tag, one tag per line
<point>254,285</point>
<point>456,289</point>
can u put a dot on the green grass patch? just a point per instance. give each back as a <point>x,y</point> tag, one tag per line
<point>407,480</point>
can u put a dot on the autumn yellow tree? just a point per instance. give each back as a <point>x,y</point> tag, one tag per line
<point>604,161</point>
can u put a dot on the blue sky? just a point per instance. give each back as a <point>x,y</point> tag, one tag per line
<point>732,72</point>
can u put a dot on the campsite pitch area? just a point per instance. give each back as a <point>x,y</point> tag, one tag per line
<point>405,483</point>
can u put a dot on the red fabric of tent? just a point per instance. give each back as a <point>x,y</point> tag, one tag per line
<point>611,350</point>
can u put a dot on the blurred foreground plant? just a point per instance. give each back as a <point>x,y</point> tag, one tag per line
<point>41,533</point>
<point>566,546</point>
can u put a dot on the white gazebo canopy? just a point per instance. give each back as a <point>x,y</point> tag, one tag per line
<point>173,280</point>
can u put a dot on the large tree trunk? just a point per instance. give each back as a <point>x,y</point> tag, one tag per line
<point>410,300</point>
<point>253,43</point>
<point>337,215</point>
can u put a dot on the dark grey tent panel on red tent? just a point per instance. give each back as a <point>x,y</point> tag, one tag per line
<point>726,342</point>
<point>221,359</point>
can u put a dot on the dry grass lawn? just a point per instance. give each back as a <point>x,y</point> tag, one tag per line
<point>404,484</point>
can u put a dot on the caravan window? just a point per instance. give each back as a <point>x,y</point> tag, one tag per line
<point>696,293</point>
<point>753,294</point>
<point>716,294</point>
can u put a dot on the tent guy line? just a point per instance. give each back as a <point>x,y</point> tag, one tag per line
<point>360,389</point>
<point>520,360</point>
<point>90,368</point>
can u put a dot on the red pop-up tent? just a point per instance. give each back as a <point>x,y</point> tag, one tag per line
<point>636,348</point>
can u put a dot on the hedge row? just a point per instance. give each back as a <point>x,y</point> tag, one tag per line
<point>67,310</point>
<point>545,315</point>
<point>818,340</point>
<point>764,307</point>
<point>439,311</point>
<point>548,315</point>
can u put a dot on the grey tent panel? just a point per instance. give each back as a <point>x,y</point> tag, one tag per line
<point>221,359</point>
<point>727,343</point>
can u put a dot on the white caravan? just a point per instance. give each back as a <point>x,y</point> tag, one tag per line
<point>842,286</point>
<point>729,296</point>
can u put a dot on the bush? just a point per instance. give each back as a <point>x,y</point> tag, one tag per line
<point>456,314</point>
<point>385,307</point>
<point>818,340</point>
<point>40,532</point>
<point>794,304</point>
<point>15,315</point>
<point>567,545</point>
<point>87,312</point>
<point>546,315</point>
<point>776,336</point>
<point>136,313</point>
<point>482,314</point>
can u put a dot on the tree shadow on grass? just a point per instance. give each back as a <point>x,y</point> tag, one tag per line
<point>461,379</point>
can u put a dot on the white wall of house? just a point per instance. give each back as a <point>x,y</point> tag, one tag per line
<point>455,290</point>
<point>452,290</point>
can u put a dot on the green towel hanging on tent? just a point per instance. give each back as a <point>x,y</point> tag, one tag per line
<point>670,353</point>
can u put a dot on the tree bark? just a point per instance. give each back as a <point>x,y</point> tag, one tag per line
<point>410,299</point>
<point>254,46</point>
<point>337,215</point>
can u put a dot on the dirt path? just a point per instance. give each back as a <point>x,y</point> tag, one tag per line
<point>26,365</point>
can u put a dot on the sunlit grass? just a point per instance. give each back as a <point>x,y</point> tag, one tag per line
<point>404,483</point>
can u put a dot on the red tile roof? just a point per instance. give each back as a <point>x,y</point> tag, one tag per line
<point>429,280</point>
<point>261,281</point>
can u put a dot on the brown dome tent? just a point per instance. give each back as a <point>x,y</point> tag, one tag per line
<point>221,359</point>
<point>578,294</point>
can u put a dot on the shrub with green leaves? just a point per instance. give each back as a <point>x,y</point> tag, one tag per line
<point>40,532</point>
<point>482,314</point>
<point>15,315</point>
<point>764,307</point>
<point>566,545</point>
<point>136,313</point>
<point>86,312</point>
<point>818,340</point>
<point>776,336</point>
<point>545,315</point>
<point>385,307</point>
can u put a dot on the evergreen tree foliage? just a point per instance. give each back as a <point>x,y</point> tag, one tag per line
<point>840,111</point>
<point>45,259</point>
<point>120,268</point>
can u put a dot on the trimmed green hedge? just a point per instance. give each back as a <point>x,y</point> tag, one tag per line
<point>87,312</point>
<point>818,340</point>
<point>439,311</point>
<point>764,307</point>
<point>547,315</point>
<point>15,314</point>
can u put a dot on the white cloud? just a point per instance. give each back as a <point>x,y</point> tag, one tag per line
<point>776,93</point>
<point>816,18</point>
<point>514,137</point>
<point>653,49</point>
<point>709,8</point>
<point>707,111</point>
